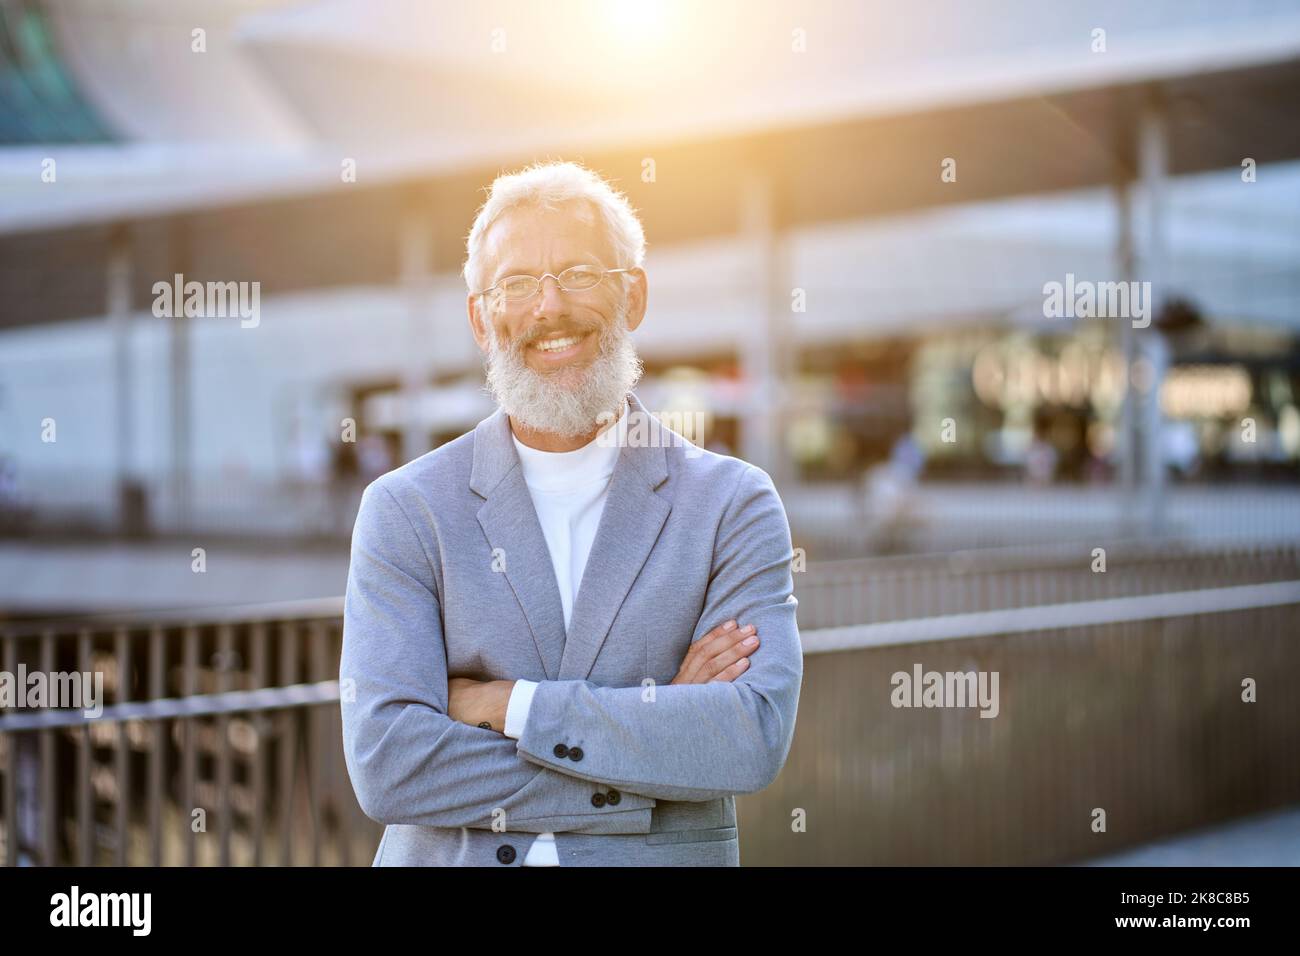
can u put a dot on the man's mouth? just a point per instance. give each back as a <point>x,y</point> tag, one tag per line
<point>560,346</point>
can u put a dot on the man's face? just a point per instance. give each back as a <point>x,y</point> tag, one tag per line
<point>558,360</point>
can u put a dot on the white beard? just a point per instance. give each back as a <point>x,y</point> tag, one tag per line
<point>568,401</point>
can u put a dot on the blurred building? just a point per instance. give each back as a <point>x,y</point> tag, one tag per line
<point>851,222</point>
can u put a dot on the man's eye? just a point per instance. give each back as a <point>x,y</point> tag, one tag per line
<point>581,277</point>
<point>517,285</point>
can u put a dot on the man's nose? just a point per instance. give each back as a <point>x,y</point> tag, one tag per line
<point>550,297</point>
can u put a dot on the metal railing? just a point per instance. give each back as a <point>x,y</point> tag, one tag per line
<point>220,743</point>
<point>1119,721</point>
<point>220,739</point>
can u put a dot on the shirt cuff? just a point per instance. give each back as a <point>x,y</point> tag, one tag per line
<point>521,699</point>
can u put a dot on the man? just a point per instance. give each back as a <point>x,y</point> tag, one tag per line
<point>496,713</point>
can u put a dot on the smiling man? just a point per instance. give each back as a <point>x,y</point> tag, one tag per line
<point>569,635</point>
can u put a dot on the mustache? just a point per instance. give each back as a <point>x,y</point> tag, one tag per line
<point>527,338</point>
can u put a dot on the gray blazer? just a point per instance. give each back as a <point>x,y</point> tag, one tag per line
<point>450,576</point>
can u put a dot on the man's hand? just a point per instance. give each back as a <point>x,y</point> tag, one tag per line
<point>722,654</point>
<point>477,702</point>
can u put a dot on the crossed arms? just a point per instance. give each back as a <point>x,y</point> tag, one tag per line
<point>411,761</point>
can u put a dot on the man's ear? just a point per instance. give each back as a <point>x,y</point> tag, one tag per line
<point>477,320</point>
<point>637,295</point>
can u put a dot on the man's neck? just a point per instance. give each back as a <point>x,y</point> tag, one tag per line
<point>549,441</point>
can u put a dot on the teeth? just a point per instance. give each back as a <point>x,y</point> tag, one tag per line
<point>555,345</point>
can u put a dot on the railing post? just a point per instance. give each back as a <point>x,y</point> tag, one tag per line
<point>260,723</point>
<point>189,675</point>
<point>288,741</point>
<point>86,836</point>
<point>47,805</point>
<point>225,654</point>
<point>122,754</point>
<point>157,745</point>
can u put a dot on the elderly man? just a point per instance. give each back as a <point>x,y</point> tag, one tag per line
<point>494,711</point>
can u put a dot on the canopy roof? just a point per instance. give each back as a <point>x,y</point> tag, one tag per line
<point>855,127</point>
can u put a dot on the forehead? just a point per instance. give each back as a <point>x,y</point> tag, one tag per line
<point>533,239</point>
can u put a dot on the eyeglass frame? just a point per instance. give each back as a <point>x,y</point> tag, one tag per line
<point>542,278</point>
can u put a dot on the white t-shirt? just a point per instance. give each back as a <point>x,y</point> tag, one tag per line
<point>568,489</point>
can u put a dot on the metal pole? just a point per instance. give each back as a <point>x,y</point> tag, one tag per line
<point>1153,171</point>
<point>764,356</point>
<point>179,356</point>
<point>118,281</point>
<point>1126,439</point>
<point>415,249</point>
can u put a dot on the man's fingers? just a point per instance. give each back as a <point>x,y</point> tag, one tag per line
<point>716,651</point>
<point>711,640</point>
<point>727,640</point>
<point>738,650</point>
<point>732,672</point>
<point>701,650</point>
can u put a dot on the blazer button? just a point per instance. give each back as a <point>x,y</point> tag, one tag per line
<point>506,854</point>
<point>561,751</point>
<point>575,753</point>
<point>612,797</point>
<point>597,799</point>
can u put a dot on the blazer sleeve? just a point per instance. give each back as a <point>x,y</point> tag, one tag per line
<point>409,762</point>
<point>696,741</point>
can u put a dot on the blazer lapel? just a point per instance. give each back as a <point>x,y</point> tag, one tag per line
<point>510,523</point>
<point>630,523</point>
<point>633,516</point>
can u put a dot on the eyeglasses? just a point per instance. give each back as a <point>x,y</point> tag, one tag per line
<point>574,279</point>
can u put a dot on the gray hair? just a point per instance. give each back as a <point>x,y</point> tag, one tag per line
<point>549,185</point>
